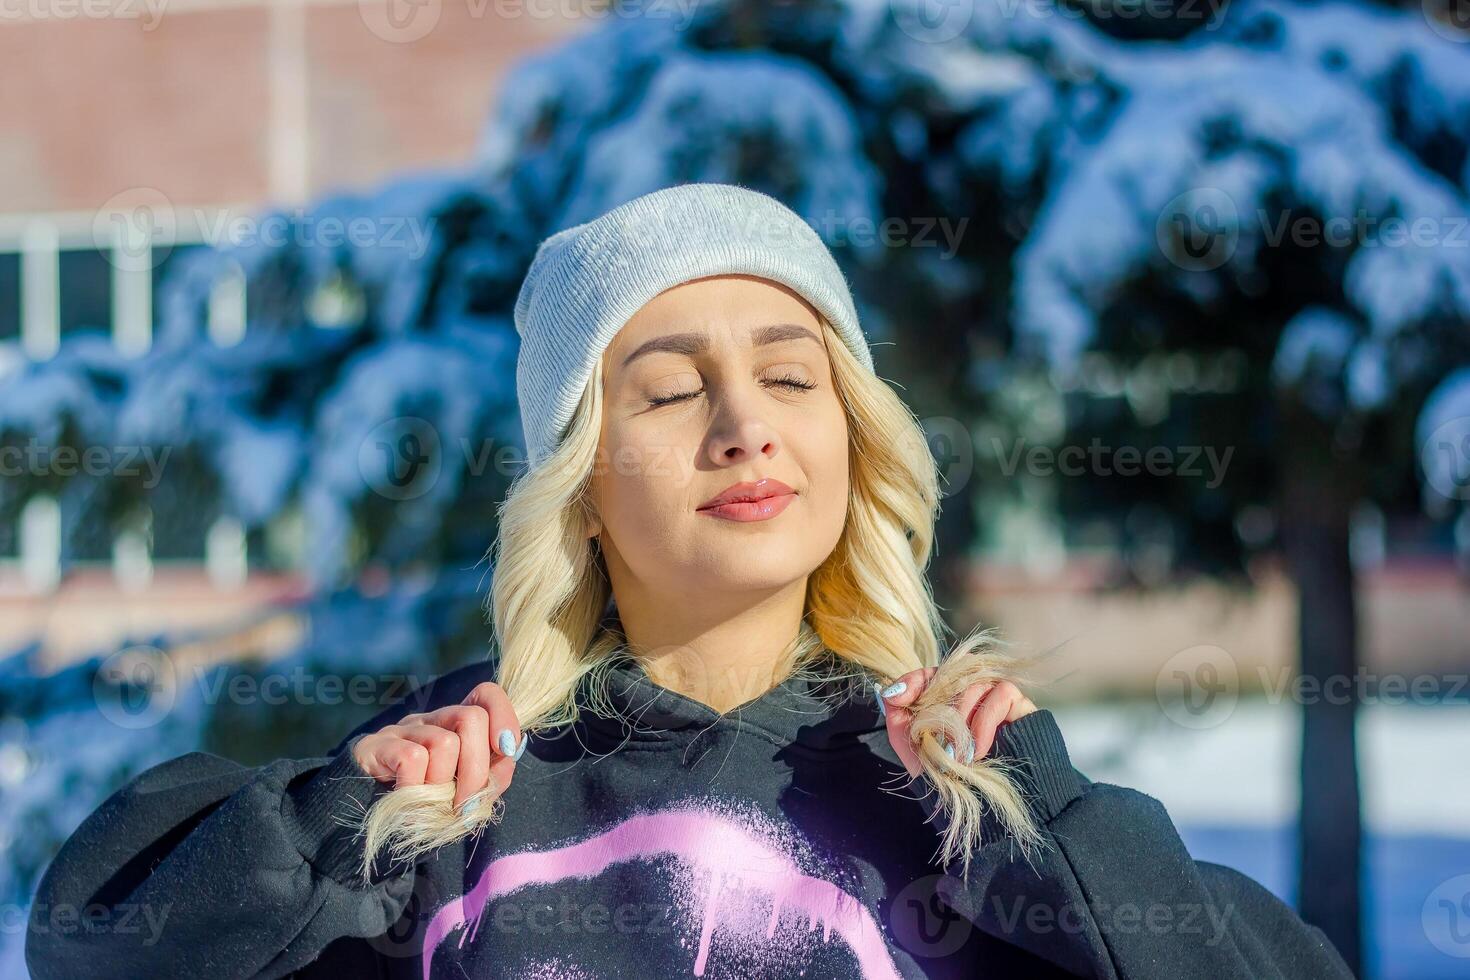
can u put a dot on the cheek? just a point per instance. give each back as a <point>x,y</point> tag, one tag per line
<point>828,450</point>
<point>642,482</point>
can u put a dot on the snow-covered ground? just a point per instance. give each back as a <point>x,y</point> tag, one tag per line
<point>1244,769</point>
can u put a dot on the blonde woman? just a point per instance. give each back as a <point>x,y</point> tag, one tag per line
<point>720,734</point>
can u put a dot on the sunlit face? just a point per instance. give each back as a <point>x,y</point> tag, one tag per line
<point>716,382</point>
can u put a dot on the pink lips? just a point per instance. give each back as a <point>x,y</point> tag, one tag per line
<point>758,501</point>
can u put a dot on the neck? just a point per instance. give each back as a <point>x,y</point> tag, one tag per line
<point>720,657</point>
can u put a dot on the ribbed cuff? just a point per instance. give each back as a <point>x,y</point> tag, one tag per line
<point>1044,769</point>
<point>324,809</point>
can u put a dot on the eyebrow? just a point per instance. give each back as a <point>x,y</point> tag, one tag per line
<point>697,343</point>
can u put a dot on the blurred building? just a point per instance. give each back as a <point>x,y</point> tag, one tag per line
<point>215,108</point>
<point>206,111</point>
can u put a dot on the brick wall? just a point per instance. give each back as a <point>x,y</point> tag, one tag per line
<point>211,102</point>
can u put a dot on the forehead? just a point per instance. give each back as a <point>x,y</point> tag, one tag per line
<point>740,304</point>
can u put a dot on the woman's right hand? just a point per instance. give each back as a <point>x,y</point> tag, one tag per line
<point>470,743</point>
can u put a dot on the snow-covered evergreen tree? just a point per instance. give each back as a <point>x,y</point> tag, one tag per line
<point>1113,205</point>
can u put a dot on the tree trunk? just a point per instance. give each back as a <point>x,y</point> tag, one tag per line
<point>1316,520</point>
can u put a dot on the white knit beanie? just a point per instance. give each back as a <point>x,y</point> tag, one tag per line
<point>587,281</point>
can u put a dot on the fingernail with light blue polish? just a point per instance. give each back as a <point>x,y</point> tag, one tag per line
<point>970,753</point>
<point>525,741</point>
<point>878,696</point>
<point>469,807</point>
<point>895,689</point>
<point>949,749</point>
<point>506,742</point>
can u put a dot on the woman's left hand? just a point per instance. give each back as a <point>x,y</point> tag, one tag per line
<point>985,707</point>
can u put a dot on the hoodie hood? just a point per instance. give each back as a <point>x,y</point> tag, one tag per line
<point>819,715</point>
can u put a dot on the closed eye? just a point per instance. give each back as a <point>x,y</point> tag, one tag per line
<point>792,381</point>
<point>787,381</point>
<point>670,399</point>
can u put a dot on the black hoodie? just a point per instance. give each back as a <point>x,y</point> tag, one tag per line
<point>655,839</point>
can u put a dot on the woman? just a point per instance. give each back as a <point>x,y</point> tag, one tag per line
<point>717,717</point>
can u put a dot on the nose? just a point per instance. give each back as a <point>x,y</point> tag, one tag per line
<point>740,433</point>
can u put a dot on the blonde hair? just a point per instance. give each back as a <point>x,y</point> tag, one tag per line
<point>869,606</point>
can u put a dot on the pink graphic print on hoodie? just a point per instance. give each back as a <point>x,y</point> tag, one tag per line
<point>736,880</point>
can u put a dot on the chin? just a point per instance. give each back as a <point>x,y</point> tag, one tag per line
<point>747,569</point>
